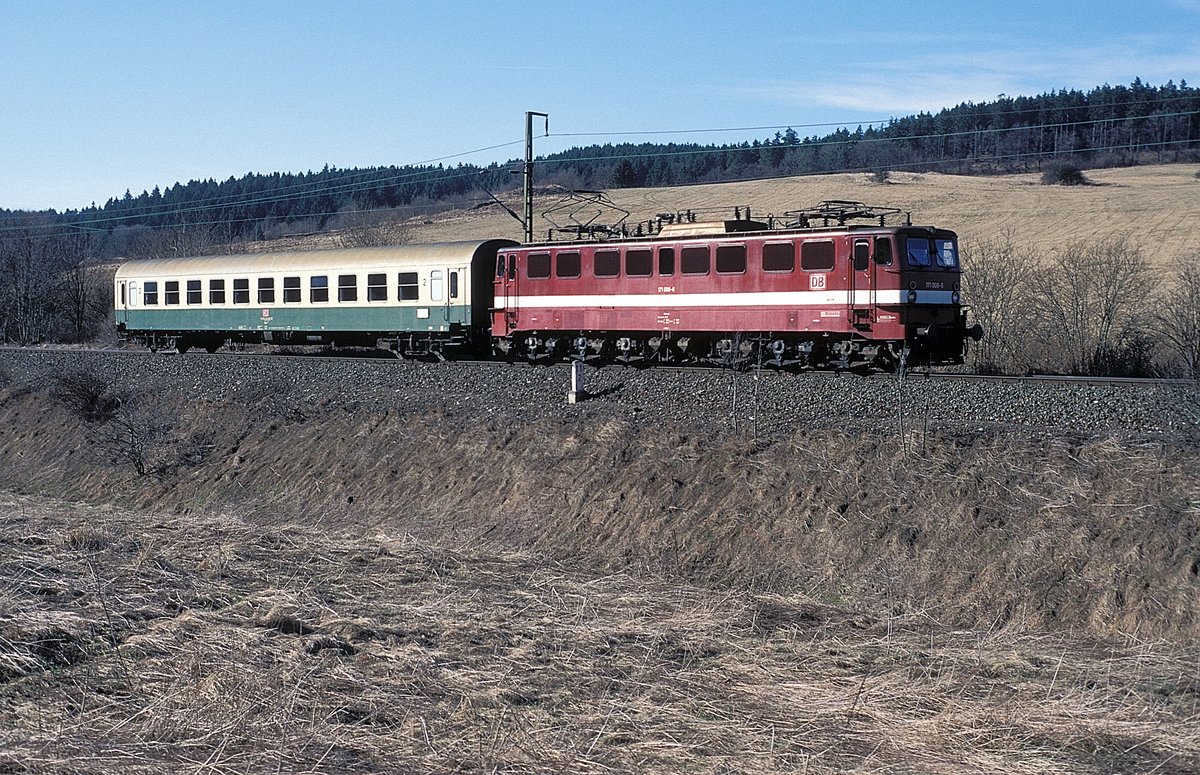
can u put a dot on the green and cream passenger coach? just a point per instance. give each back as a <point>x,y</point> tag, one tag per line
<point>417,299</point>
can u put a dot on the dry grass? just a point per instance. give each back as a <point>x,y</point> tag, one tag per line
<point>1153,205</point>
<point>148,643</point>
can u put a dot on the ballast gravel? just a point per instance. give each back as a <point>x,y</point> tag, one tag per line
<point>763,404</point>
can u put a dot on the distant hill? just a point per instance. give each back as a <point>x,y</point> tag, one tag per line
<point>1108,126</point>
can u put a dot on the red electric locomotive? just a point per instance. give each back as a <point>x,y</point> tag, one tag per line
<point>835,286</point>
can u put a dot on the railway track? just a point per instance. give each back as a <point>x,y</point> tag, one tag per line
<point>911,374</point>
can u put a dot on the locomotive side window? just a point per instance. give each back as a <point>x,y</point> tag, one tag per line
<point>816,256</point>
<point>567,264</point>
<point>409,288</point>
<point>347,287</point>
<point>150,293</point>
<point>537,266</point>
<point>918,251</point>
<point>377,287</point>
<point>666,262</point>
<point>883,251</point>
<point>195,293</point>
<point>266,290</point>
<point>216,291</point>
<point>862,255</point>
<point>779,257</point>
<point>241,290</point>
<point>607,263</point>
<point>731,259</point>
<point>694,260</point>
<point>171,292</point>
<point>318,289</point>
<point>639,263</point>
<point>435,285</point>
<point>512,267</point>
<point>291,290</point>
<point>947,253</point>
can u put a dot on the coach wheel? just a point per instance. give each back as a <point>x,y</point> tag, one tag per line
<point>213,346</point>
<point>182,347</point>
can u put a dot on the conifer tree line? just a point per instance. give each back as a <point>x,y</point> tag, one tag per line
<point>1106,126</point>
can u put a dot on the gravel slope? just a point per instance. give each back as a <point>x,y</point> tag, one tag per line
<point>765,405</point>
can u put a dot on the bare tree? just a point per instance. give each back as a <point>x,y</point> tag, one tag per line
<point>1091,299</point>
<point>31,257</point>
<point>1178,321</point>
<point>996,277</point>
<point>369,229</point>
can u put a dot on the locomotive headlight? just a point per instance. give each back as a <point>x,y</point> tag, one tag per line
<point>954,297</point>
<point>912,297</point>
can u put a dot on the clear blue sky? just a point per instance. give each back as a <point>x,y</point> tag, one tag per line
<point>100,97</point>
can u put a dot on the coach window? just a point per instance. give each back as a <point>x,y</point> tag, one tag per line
<point>216,291</point>
<point>694,260</point>
<point>816,256</point>
<point>883,251</point>
<point>607,263</point>
<point>195,292</point>
<point>171,292</point>
<point>435,285</point>
<point>567,264</point>
<point>377,287</point>
<point>537,266</point>
<point>266,290</point>
<point>318,289</point>
<point>639,262</point>
<point>779,257</point>
<point>347,287</point>
<point>241,290</point>
<point>666,262</point>
<point>731,259</point>
<point>454,285</point>
<point>408,288</point>
<point>918,251</point>
<point>150,293</point>
<point>291,290</point>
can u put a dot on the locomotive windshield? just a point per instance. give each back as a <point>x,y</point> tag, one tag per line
<point>925,252</point>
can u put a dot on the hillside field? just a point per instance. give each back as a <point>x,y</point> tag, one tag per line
<point>1158,206</point>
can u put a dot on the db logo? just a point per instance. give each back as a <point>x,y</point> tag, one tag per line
<point>816,282</point>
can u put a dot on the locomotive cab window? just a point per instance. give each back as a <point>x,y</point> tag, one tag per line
<point>150,293</point>
<point>567,264</point>
<point>537,266</point>
<point>779,257</point>
<point>171,292</point>
<point>377,287</point>
<point>407,282</point>
<point>883,251</point>
<point>500,266</point>
<point>241,290</point>
<point>731,259</point>
<point>816,256</point>
<point>639,263</point>
<point>195,294</point>
<point>266,290</point>
<point>694,260</point>
<point>347,287</point>
<point>216,291</point>
<point>318,289</point>
<point>607,263</point>
<point>918,251</point>
<point>947,253</point>
<point>291,290</point>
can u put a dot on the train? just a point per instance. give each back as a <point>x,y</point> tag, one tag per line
<point>832,286</point>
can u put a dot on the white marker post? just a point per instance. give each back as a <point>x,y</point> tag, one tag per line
<point>576,393</point>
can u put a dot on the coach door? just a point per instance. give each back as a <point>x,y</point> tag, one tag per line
<point>861,284</point>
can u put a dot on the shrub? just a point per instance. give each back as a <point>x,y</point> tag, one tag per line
<point>1063,174</point>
